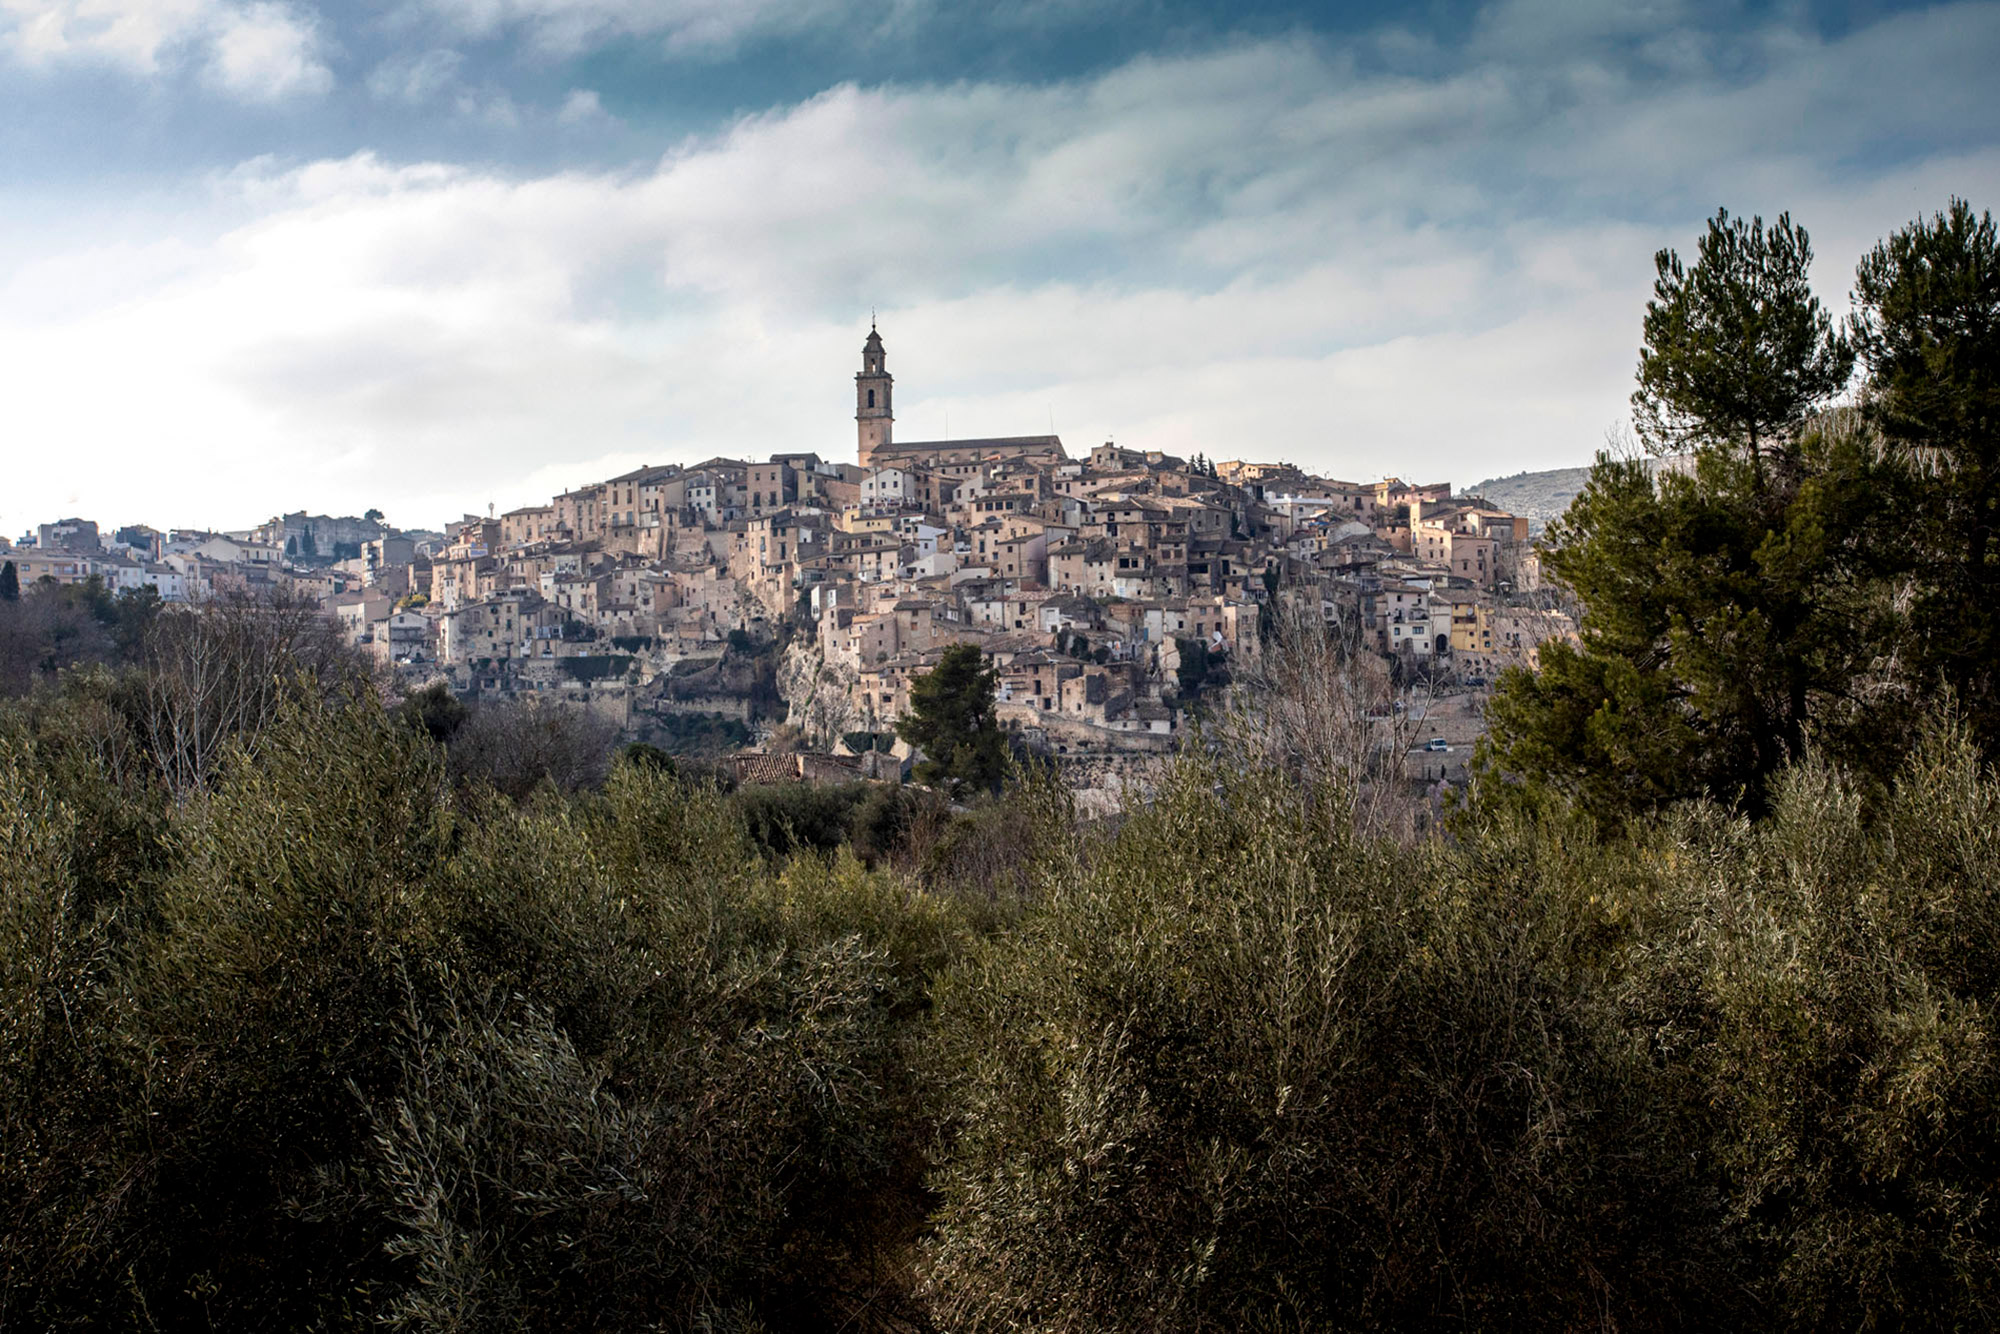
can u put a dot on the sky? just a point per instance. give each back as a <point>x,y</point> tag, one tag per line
<point>433,255</point>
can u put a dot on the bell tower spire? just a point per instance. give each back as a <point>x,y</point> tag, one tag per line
<point>873,415</point>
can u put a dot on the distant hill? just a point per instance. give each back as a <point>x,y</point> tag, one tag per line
<point>1541,496</point>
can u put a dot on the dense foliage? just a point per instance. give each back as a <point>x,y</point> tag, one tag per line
<point>332,1041</point>
<point>1927,322</point>
<point>323,1043</point>
<point>1804,574</point>
<point>48,627</point>
<point>951,718</point>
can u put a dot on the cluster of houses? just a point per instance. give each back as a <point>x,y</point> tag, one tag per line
<point>192,565</point>
<point>1108,590</point>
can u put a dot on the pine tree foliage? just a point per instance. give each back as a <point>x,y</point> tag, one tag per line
<point>1927,323</point>
<point>951,718</point>
<point>1738,350</point>
<point>1805,575</point>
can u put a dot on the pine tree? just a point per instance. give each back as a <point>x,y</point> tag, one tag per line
<point>952,719</point>
<point>1738,351</point>
<point>1927,324</point>
<point>10,583</point>
<point>1726,602</point>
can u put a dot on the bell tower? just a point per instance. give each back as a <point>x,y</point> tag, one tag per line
<point>874,418</point>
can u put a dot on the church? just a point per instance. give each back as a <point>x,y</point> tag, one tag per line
<point>875,422</point>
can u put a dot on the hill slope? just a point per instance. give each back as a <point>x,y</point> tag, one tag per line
<point>1541,496</point>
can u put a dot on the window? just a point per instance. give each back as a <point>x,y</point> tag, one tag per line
<point>871,398</point>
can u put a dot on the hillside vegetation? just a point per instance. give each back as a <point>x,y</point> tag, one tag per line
<point>320,1011</point>
<point>1540,497</point>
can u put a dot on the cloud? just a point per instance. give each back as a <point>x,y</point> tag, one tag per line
<point>684,26</point>
<point>438,77</point>
<point>127,33</point>
<point>581,107</point>
<point>258,52</point>
<point>492,107</point>
<point>416,78</point>
<point>266,53</point>
<point>1260,250</point>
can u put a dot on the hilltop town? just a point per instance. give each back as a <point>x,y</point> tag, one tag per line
<point>1112,590</point>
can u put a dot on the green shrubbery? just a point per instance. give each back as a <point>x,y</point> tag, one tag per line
<point>879,823</point>
<point>1822,987</point>
<point>341,1048</point>
<point>699,733</point>
<point>322,1043</point>
<point>1235,1073</point>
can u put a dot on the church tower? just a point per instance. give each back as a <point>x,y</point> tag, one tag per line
<point>874,419</point>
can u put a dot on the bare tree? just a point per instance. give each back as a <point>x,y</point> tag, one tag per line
<point>215,672</point>
<point>1325,708</point>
